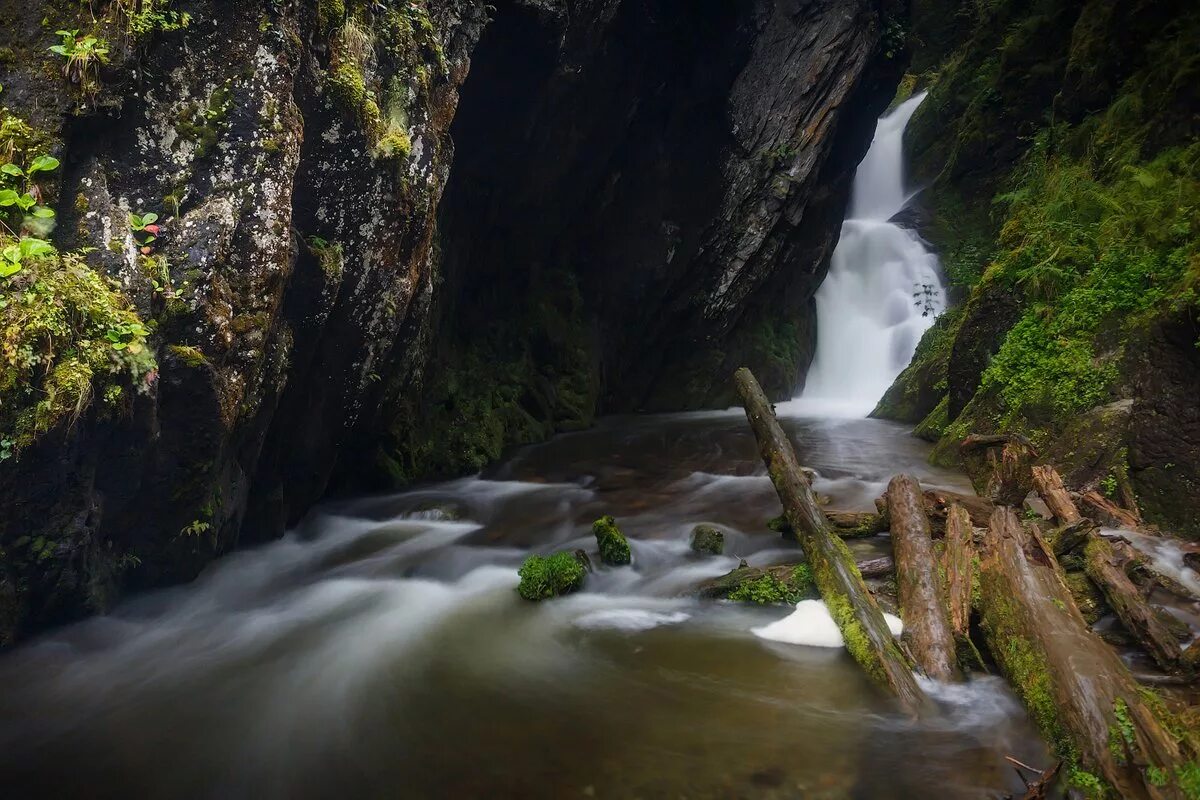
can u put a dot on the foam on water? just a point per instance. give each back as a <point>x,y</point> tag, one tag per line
<point>811,624</point>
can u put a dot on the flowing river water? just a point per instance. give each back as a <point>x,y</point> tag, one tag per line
<point>380,650</point>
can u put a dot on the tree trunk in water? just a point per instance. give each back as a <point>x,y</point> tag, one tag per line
<point>850,603</point>
<point>1050,486</point>
<point>960,568</point>
<point>926,625</point>
<point>1076,688</point>
<point>1106,563</point>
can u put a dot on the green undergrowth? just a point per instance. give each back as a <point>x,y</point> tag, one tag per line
<point>66,334</point>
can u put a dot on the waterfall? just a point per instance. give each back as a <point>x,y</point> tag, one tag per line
<point>883,290</point>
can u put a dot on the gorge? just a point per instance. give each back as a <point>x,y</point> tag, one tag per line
<point>346,316</point>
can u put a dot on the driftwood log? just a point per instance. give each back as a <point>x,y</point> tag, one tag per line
<point>1106,512</point>
<point>926,624</point>
<point>937,506</point>
<point>850,603</point>
<point>1107,563</point>
<point>1077,689</point>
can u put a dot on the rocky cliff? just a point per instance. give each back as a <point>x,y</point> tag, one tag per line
<point>1060,148</point>
<point>256,254</point>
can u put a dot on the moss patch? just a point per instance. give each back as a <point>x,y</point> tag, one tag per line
<point>543,577</point>
<point>613,546</point>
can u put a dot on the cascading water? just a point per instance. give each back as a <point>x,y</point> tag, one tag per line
<point>883,290</point>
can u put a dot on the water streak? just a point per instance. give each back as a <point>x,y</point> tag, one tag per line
<point>883,290</point>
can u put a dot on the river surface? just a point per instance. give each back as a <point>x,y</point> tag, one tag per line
<point>381,650</point>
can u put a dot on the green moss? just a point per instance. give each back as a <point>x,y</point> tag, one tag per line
<point>770,588</point>
<point>330,14</point>
<point>203,124</point>
<point>66,333</point>
<point>188,355</point>
<point>543,577</point>
<point>614,547</point>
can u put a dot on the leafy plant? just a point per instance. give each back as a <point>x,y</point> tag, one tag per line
<point>14,256</point>
<point>84,55</point>
<point>123,335</point>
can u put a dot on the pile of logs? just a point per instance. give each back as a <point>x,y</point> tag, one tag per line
<point>1114,737</point>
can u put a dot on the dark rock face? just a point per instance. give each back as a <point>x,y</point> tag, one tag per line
<point>645,196</point>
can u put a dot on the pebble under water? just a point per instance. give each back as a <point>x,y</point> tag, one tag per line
<point>380,650</point>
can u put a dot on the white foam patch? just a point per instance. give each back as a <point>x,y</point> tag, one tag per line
<point>811,624</point>
<point>629,619</point>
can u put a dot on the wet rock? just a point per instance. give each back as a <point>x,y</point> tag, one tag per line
<point>584,559</point>
<point>707,539</point>
<point>614,547</point>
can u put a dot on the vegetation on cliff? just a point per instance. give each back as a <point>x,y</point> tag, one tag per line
<point>1065,202</point>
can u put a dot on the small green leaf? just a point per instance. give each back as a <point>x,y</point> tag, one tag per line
<point>36,248</point>
<point>43,164</point>
<point>8,268</point>
<point>12,169</point>
<point>8,197</point>
<point>42,212</point>
<point>150,218</point>
<point>12,253</point>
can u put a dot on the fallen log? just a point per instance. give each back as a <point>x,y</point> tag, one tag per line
<point>1106,563</point>
<point>938,502</point>
<point>846,524</point>
<point>855,611</point>
<point>792,580</point>
<point>1050,487</point>
<point>1108,513</point>
<point>1008,476</point>
<point>960,569</point>
<point>1111,736</point>
<point>926,624</point>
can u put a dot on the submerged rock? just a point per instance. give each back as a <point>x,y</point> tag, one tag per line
<point>707,539</point>
<point>543,577</point>
<point>614,547</point>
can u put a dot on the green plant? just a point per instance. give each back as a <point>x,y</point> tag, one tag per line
<point>20,207</point>
<point>13,257</point>
<point>84,55</point>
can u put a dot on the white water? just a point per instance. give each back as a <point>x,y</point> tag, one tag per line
<point>883,290</point>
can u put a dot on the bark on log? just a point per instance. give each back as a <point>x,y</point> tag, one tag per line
<point>1106,512</point>
<point>926,623</point>
<point>1106,563</point>
<point>938,502</point>
<point>1050,487</point>
<point>960,569</point>
<point>850,603</point>
<point>852,524</point>
<point>1076,688</point>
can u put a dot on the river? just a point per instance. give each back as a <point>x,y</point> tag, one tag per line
<point>381,650</point>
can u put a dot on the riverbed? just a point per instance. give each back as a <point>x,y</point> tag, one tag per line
<point>380,649</point>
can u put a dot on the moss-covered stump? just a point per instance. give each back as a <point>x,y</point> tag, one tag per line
<point>614,547</point>
<point>788,583</point>
<point>707,539</point>
<point>543,577</point>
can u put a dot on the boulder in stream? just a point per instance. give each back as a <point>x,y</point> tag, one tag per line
<point>614,547</point>
<point>543,577</point>
<point>707,539</point>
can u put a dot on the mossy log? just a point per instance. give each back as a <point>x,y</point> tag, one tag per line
<point>786,575</point>
<point>926,623</point>
<point>937,507</point>
<point>1106,563</point>
<point>1009,459</point>
<point>837,578</point>
<point>1050,487</point>
<point>1113,736</point>
<point>846,524</point>
<point>959,565</point>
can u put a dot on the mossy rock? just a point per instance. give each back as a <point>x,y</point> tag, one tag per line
<point>614,547</point>
<point>543,577</point>
<point>707,539</point>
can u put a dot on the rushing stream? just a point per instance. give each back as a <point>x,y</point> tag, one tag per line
<point>380,650</point>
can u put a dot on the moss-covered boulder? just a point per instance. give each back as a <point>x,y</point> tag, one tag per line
<point>543,577</point>
<point>614,547</point>
<point>707,539</point>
